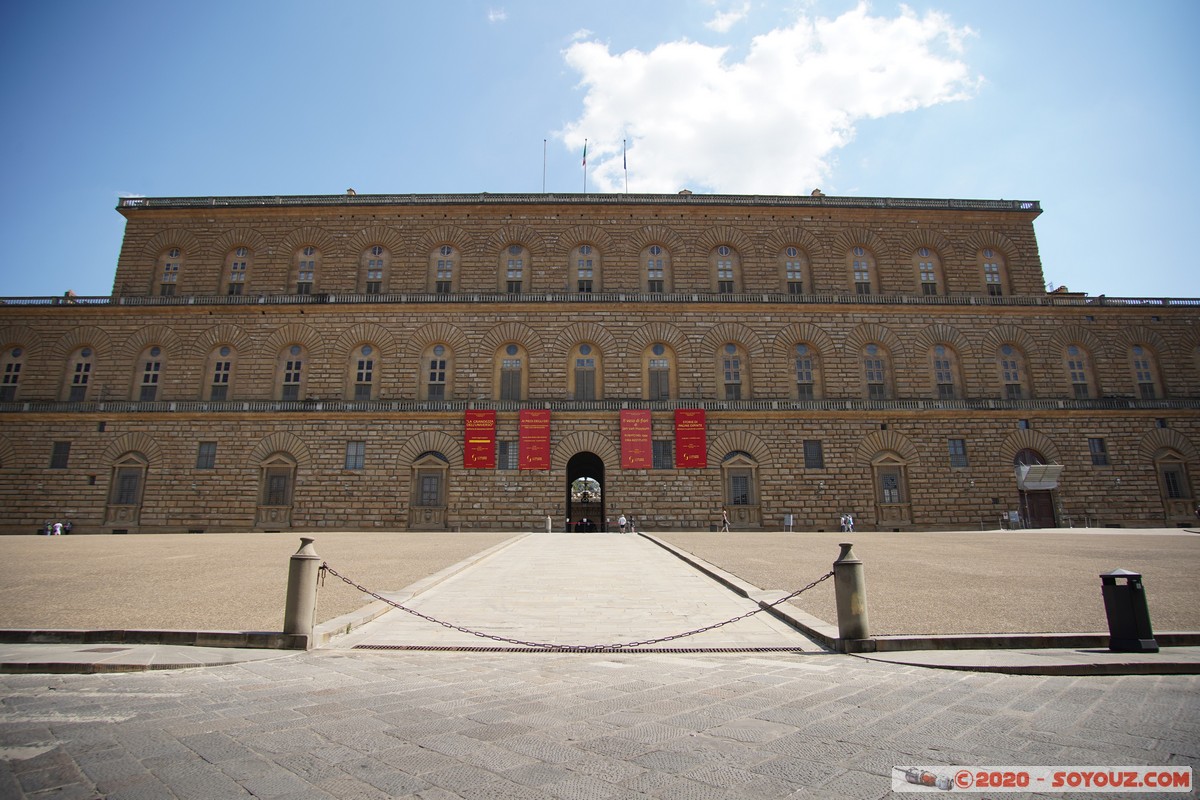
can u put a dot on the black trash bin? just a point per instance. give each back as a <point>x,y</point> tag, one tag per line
<point>1129,628</point>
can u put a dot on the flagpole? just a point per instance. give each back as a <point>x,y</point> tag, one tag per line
<point>585,166</point>
<point>543,166</point>
<point>625,166</point>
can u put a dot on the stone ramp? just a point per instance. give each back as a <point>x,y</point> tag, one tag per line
<point>580,590</point>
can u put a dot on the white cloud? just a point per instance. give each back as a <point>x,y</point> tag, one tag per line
<point>771,123</point>
<point>497,15</point>
<point>724,20</point>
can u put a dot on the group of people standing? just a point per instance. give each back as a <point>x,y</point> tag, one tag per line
<point>58,528</point>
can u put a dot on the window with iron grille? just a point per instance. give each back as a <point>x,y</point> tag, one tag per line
<point>507,454</point>
<point>1099,452</point>
<point>958,452</point>
<point>814,454</point>
<point>206,455</point>
<point>663,453</point>
<point>60,454</point>
<point>356,455</point>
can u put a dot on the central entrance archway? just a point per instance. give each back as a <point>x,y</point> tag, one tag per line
<point>585,493</point>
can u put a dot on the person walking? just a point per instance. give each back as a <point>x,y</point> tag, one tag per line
<point>724,521</point>
<point>621,521</point>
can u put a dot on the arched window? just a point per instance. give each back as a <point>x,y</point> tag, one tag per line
<point>443,268</point>
<point>1079,372</point>
<point>929,272</point>
<point>290,374</point>
<point>511,376</point>
<point>514,267</point>
<point>876,373</point>
<point>169,264</point>
<point>890,472</point>
<point>585,268</point>
<point>373,269</point>
<point>1145,372</point>
<point>126,489</point>
<point>437,373</point>
<point>659,375</point>
<point>808,372</point>
<point>739,473</point>
<point>724,266</point>
<point>585,380</point>
<point>1175,485</point>
<point>946,375</point>
<point>220,372</point>
<point>733,372</point>
<point>79,375</point>
<point>995,275</point>
<point>429,489</point>
<point>1013,373</point>
<point>277,480</point>
<point>363,372</point>
<point>237,266</point>
<point>149,374</point>
<point>10,376</point>
<point>862,270</point>
<point>656,269</point>
<point>308,261</point>
<point>793,267</point>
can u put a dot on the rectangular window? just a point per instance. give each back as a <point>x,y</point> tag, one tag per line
<point>507,455</point>
<point>724,287</point>
<point>660,379</point>
<point>814,454</point>
<point>356,455</point>
<point>1174,484</point>
<point>664,453</point>
<point>510,379</point>
<point>128,486</point>
<point>585,379</point>
<point>278,488</point>
<point>1099,452</point>
<point>958,452</point>
<point>60,453</point>
<point>206,455</point>
<point>430,494</point>
<point>739,490</point>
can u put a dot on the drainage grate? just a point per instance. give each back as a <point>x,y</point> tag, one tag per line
<point>449,648</point>
<point>105,650</point>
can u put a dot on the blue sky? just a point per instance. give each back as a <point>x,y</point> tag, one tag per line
<point>1085,106</point>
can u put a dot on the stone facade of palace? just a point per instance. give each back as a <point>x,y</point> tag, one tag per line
<point>475,362</point>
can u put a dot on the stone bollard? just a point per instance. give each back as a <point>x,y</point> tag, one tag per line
<point>549,524</point>
<point>300,611</point>
<point>850,589</point>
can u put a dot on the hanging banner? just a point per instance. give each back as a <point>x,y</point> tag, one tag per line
<point>534,447</point>
<point>479,451</point>
<point>637,452</point>
<point>691,446</point>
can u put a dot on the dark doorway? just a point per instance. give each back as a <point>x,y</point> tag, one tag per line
<point>1037,506</point>
<point>585,493</point>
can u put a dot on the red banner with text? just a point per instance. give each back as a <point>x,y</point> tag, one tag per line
<point>690,440</point>
<point>637,452</point>
<point>479,451</point>
<point>534,449</point>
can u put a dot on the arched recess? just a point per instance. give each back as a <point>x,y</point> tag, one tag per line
<point>224,333</point>
<point>663,332</point>
<point>284,442</point>
<point>585,454</point>
<point>240,237</point>
<point>24,337</point>
<point>517,234</point>
<point>996,241</point>
<point>152,335</point>
<point>8,454</point>
<point>657,234</point>
<point>391,238</point>
<point>738,440</point>
<point>368,332</point>
<point>583,441</point>
<point>890,456</point>
<point>133,442</point>
<point>295,333</point>
<point>711,346</point>
<point>923,237</point>
<point>941,334</point>
<point>1173,457</point>
<point>870,332</point>
<point>172,237</point>
<point>75,338</point>
<point>1027,439</point>
<point>452,235</point>
<point>585,234</point>
<point>728,235</point>
<point>866,238</point>
<point>516,332</point>
<point>309,235</point>
<point>787,338</point>
<point>584,332</point>
<point>796,236</point>
<point>429,458</point>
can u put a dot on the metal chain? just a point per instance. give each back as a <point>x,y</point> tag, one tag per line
<point>566,647</point>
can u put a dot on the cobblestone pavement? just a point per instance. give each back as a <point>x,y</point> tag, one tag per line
<point>358,724</point>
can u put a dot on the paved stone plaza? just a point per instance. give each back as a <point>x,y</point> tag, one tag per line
<point>362,724</point>
<point>341,722</point>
